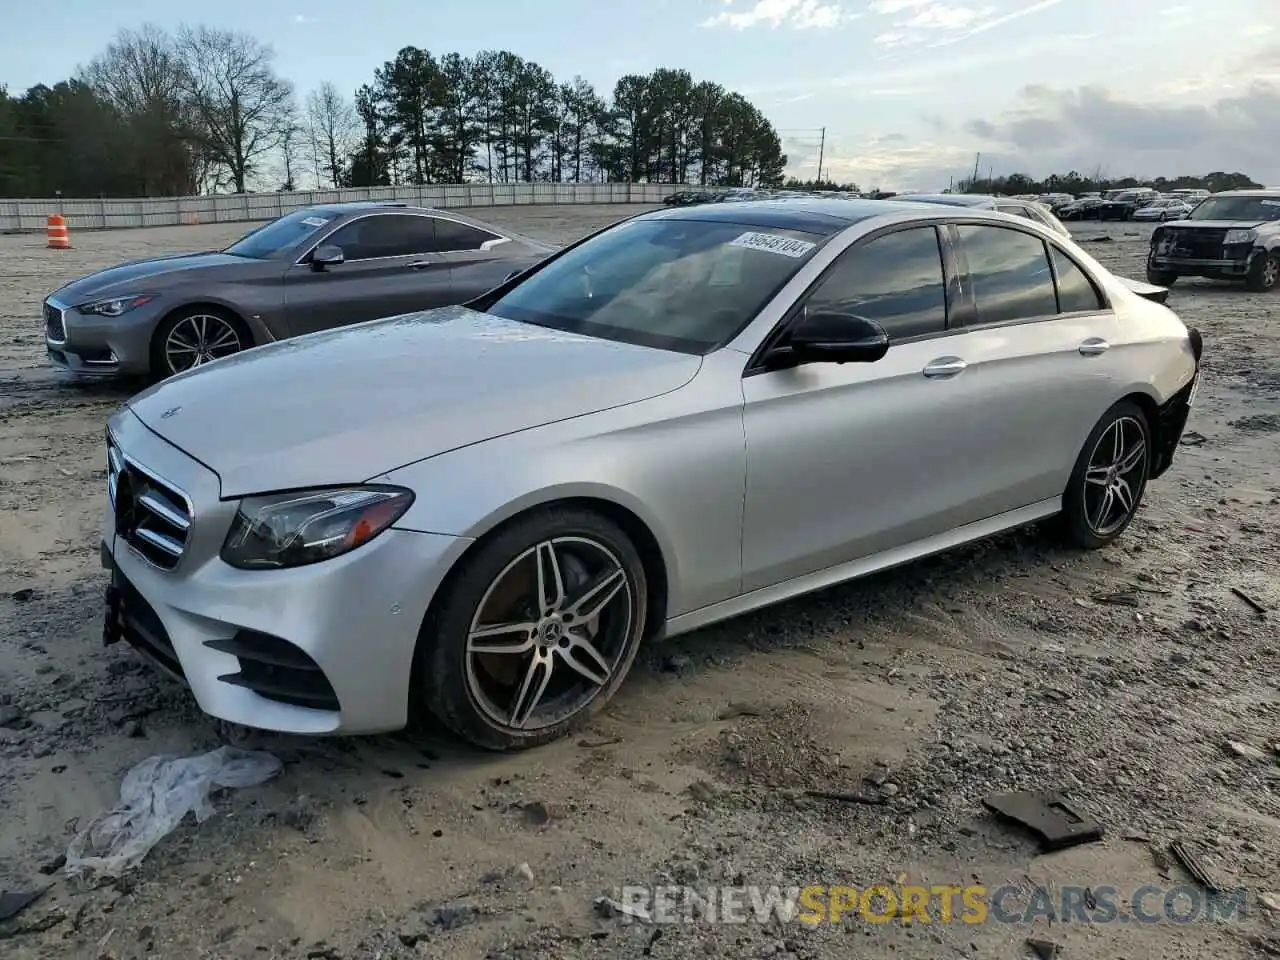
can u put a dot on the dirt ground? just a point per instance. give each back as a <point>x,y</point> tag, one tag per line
<point>1137,679</point>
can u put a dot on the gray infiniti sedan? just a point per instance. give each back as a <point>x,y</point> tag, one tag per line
<point>480,512</point>
<point>312,269</point>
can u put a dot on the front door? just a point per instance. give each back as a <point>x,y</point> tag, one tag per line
<point>391,266</point>
<point>848,460</point>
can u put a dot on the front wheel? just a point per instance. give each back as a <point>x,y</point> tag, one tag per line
<point>1161,278</point>
<point>1109,478</point>
<point>535,632</point>
<point>191,338</point>
<point>1264,273</point>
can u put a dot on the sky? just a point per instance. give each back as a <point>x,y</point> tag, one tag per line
<point>908,91</point>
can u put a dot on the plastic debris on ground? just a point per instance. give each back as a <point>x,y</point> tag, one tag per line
<point>154,797</point>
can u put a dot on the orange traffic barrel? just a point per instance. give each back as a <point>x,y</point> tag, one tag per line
<point>59,239</point>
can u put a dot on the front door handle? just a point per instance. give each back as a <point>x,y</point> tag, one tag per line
<point>944,367</point>
<point>422,264</point>
<point>1093,347</point>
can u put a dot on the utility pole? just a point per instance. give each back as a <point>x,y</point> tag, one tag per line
<point>973,184</point>
<point>822,143</point>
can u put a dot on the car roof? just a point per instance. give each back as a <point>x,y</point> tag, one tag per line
<point>808,214</point>
<point>1263,194</point>
<point>951,199</point>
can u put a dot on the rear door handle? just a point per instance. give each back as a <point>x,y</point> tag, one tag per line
<point>945,367</point>
<point>422,264</point>
<point>1093,347</point>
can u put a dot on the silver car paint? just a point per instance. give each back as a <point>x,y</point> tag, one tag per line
<point>390,391</point>
<point>741,481</point>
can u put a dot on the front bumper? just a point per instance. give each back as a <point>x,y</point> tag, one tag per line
<point>321,649</point>
<point>1233,267</point>
<point>90,346</point>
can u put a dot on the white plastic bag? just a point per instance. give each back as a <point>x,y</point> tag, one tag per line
<point>154,797</point>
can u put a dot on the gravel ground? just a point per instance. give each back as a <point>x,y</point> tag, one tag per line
<point>1135,678</point>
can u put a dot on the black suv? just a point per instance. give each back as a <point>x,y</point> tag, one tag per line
<point>1233,235</point>
<point>1120,204</point>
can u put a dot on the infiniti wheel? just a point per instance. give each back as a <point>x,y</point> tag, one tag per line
<point>1109,478</point>
<point>535,631</point>
<point>189,340</point>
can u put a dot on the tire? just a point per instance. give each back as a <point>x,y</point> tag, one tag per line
<point>1078,523</point>
<point>1264,273</point>
<point>477,695</point>
<point>1161,278</point>
<point>224,334</point>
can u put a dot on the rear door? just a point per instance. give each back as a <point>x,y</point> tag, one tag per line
<point>479,259</point>
<point>1037,348</point>
<point>391,266</point>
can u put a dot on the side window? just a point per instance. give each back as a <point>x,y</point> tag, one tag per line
<point>895,279</point>
<point>1016,209</point>
<point>386,235</point>
<point>1076,291</point>
<point>451,235</point>
<point>1009,272</point>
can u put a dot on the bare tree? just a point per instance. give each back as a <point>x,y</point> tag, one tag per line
<point>238,99</point>
<point>291,144</point>
<point>142,76</point>
<point>334,129</point>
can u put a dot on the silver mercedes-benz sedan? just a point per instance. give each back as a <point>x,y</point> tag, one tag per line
<point>481,511</point>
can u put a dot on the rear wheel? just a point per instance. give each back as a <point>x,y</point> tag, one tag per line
<point>1264,273</point>
<point>193,337</point>
<point>1109,478</point>
<point>535,632</point>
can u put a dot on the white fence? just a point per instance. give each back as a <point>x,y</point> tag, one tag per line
<point>105,214</point>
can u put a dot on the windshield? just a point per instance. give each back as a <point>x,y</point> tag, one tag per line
<point>684,285</point>
<point>270,238</point>
<point>1237,208</point>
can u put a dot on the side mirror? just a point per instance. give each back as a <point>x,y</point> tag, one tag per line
<point>327,255</point>
<point>830,337</point>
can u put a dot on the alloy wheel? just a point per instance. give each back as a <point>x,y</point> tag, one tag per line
<point>199,339</point>
<point>549,633</point>
<point>1114,477</point>
<point>1271,272</point>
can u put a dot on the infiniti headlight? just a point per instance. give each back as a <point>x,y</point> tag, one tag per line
<point>115,306</point>
<point>307,526</point>
<point>1238,236</point>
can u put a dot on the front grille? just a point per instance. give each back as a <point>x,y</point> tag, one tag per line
<point>55,328</point>
<point>276,670</point>
<point>152,515</point>
<point>1203,243</point>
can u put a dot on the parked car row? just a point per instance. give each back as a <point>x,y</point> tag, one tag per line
<point>479,511</point>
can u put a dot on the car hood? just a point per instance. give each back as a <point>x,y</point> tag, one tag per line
<point>1218,224</point>
<point>346,405</point>
<point>134,276</point>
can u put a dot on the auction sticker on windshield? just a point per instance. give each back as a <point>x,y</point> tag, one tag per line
<point>315,221</point>
<point>772,243</point>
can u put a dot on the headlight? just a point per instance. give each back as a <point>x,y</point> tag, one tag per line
<point>115,307</point>
<point>307,526</point>
<point>1238,236</point>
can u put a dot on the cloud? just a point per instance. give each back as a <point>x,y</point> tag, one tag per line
<point>939,24</point>
<point>797,14</point>
<point>303,18</point>
<point>921,72</point>
<point>1058,130</point>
